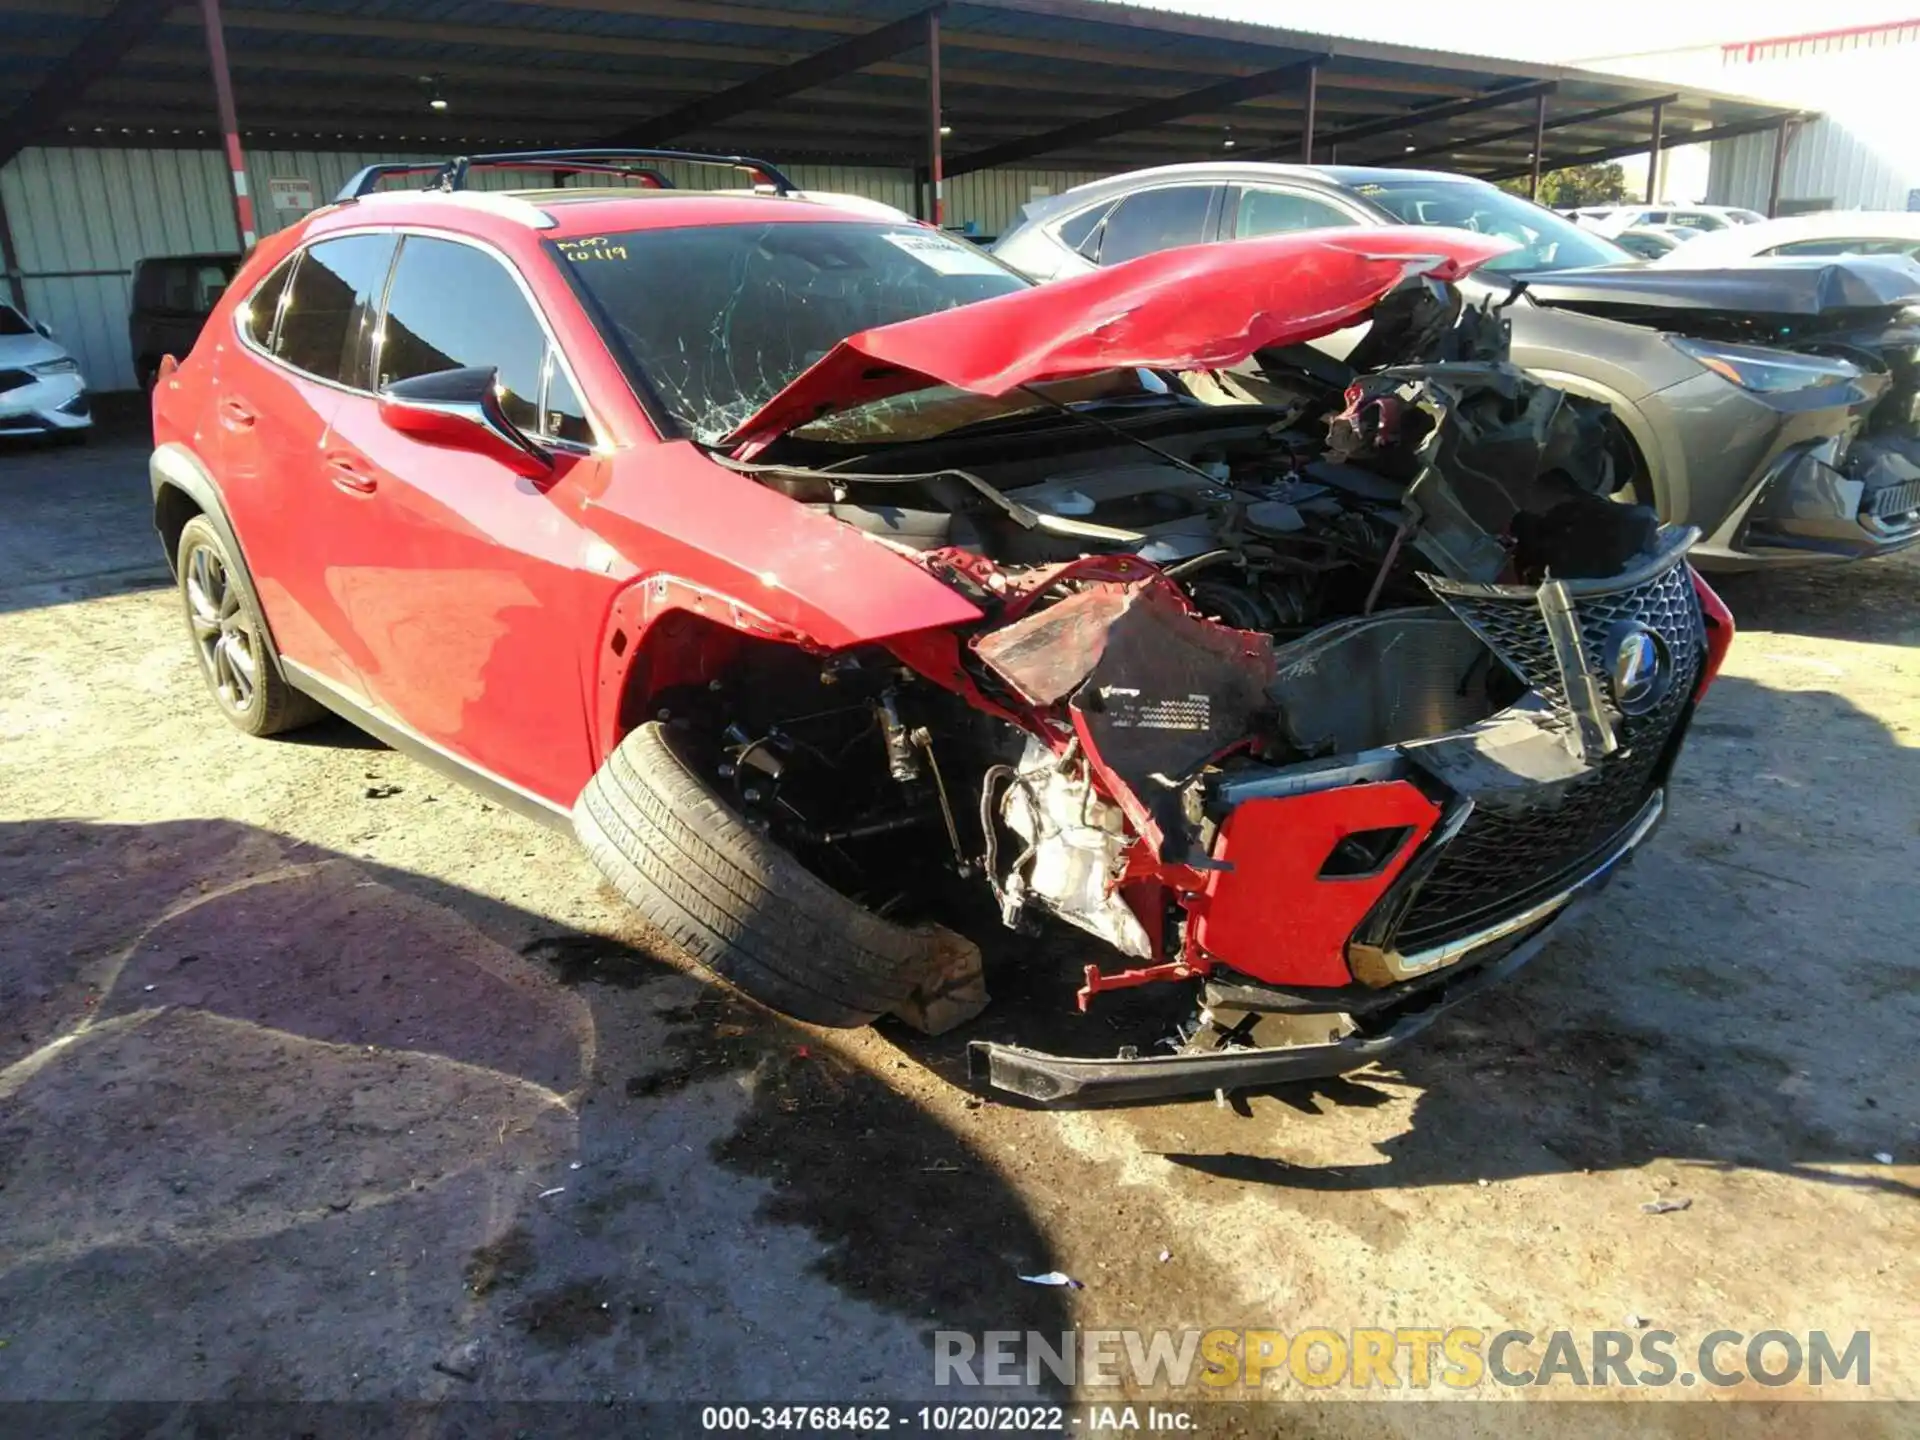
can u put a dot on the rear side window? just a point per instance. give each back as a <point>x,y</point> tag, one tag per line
<point>1275,212</point>
<point>452,306</point>
<point>1156,220</point>
<point>1879,245</point>
<point>181,287</point>
<point>326,315</point>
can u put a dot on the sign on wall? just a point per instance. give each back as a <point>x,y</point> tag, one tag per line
<point>290,194</point>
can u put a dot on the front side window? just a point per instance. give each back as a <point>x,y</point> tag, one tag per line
<point>326,314</point>
<point>1277,212</point>
<point>714,320</point>
<point>452,307</point>
<point>1156,220</point>
<point>1546,241</point>
<point>12,322</point>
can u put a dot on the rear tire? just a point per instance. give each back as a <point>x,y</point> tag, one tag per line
<point>229,638</point>
<point>738,903</point>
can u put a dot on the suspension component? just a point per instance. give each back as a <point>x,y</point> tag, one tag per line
<point>902,763</point>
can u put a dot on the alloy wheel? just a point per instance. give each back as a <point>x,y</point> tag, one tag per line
<point>229,650</point>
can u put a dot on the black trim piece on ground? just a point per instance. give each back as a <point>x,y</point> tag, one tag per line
<point>1069,1080</point>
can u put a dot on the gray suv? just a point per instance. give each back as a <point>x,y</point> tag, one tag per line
<point>1777,454</point>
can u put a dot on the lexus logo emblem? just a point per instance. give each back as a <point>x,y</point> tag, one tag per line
<point>1639,667</point>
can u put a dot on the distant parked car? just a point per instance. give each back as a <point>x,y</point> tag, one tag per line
<point>1832,232</point>
<point>1614,219</point>
<point>42,391</point>
<point>1648,242</point>
<point>1778,455</point>
<point>172,297</point>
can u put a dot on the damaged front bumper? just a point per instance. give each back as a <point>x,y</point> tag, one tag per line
<point>1385,1020</point>
<point>1341,905</point>
<point>1814,505</point>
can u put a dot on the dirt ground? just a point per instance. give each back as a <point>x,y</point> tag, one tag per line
<point>322,1079</point>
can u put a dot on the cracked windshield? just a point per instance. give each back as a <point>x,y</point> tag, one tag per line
<point>715,321</point>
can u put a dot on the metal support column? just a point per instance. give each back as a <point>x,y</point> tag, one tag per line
<point>1539,145</point>
<point>1781,138</point>
<point>1313,97</point>
<point>229,121</point>
<point>10,262</point>
<point>936,184</point>
<point>1654,154</point>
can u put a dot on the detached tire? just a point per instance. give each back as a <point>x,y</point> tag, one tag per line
<point>733,899</point>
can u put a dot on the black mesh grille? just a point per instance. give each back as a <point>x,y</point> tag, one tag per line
<point>1504,859</point>
<point>16,380</point>
<point>1893,499</point>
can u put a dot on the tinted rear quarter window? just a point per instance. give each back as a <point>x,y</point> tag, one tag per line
<point>326,317</point>
<point>1156,220</point>
<point>452,307</point>
<point>263,306</point>
<point>1077,230</point>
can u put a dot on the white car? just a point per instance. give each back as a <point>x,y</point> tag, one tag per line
<point>1612,219</point>
<point>1832,232</point>
<point>42,391</point>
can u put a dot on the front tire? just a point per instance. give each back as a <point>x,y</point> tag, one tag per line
<point>229,638</point>
<point>733,899</point>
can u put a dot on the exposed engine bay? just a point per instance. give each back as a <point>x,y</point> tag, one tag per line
<point>1254,657</point>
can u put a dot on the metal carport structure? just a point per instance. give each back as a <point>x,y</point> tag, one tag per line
<point>956,88</point>
<point>1083,84</point>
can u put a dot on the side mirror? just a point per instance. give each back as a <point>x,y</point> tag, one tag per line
<point>460,409</point>
<point>44,328</point>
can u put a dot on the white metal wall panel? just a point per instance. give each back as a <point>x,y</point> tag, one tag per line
<point>1864,151</point>
<point>82,217</point>
<point>1826,161</point>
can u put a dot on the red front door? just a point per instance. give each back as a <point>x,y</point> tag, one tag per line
<point>473,592</point>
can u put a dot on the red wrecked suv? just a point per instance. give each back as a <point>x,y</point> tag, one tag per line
<point>820,572</point>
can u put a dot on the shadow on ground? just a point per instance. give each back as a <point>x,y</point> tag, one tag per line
<point>359,1134</point>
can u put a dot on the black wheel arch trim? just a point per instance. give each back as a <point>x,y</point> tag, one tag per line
<point>174,467</point>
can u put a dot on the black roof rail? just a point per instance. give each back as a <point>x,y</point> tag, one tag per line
<point>452,174</point>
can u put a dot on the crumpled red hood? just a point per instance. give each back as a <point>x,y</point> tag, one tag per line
<point>1200,307</point>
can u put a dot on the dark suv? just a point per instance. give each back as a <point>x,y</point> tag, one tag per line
<point>1774,404</point>
<point>172,297</point>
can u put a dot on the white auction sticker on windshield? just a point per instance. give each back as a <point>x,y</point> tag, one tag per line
<point>937,252</point>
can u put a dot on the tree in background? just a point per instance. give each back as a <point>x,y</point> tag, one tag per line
<point>1576,185</point>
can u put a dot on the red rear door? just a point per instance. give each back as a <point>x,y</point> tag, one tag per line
<point>307,334</point>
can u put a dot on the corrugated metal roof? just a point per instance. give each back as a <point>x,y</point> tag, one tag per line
<point>574,71</point>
